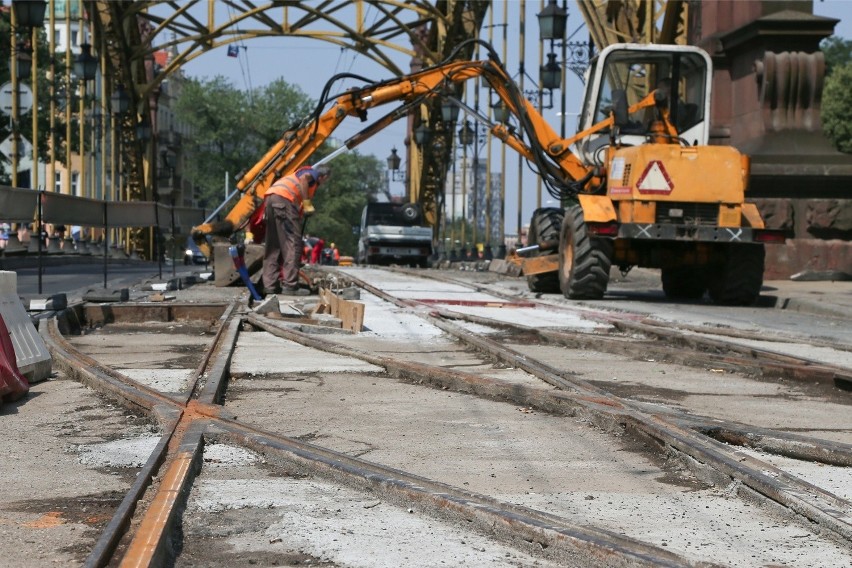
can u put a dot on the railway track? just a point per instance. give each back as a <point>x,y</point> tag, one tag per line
<point>466,427</point>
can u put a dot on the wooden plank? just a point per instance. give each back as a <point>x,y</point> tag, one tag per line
<point>540,264</point>
<point>351,314</point>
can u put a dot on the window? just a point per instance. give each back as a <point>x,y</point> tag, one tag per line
<point>74,38</point>
<point>57,182</point>
<point>637,74</point>
<point>75,184</point>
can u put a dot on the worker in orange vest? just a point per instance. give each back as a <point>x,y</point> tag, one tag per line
<point>335,255</point>
<point>288,201</point>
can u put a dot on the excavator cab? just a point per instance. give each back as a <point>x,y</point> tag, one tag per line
<point>630,72</point>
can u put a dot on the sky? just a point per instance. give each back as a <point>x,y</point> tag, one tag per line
<point>261,61</point>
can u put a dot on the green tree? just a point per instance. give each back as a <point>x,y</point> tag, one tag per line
<point>837,51</point>
<point>837,108</point>
<point>233,129</point>
<point>836,96</point>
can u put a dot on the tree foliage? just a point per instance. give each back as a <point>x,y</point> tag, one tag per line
<point>836,96</point>
<point>837,108</point>
<point>233,129</point>
<point>837,52</point>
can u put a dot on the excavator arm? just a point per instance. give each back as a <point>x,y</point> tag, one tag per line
<point>562,172</point>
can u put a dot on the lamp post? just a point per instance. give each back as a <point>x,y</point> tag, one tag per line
<point>167,173</point>
<point>552,26</point>
<point>21,70</point>
<point>25,14</point>
<point>28,14</point>
<point>85,69</point>
<point>466,137</point>
<point>143,137</point>
<point>119,105</point>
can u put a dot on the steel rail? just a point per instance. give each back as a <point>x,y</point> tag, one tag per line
<point>625,319</point>
<point>567,403</point>
<point>178,449</point>
<point>712,350</point>
<point>193,423</point>
<point>808,501</point>
<point>561,539</point>
<point>198,418</point>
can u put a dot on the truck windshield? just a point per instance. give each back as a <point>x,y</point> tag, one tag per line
<point>638,73</point>
<point>390,214</point>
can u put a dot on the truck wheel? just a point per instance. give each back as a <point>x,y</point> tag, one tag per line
<point>544,226</point>
<point>684,282</point>
<point>584,261</point>
<point>738,280</point>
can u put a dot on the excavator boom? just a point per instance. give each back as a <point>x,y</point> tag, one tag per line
<point>534,138</point>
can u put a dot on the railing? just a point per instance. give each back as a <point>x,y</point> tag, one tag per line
<point>23,206</point>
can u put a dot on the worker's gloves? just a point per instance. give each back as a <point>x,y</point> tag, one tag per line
<point>308,208</point>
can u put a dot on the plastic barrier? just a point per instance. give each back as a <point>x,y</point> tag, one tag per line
<point>13,385</point>
<point>33,358</point>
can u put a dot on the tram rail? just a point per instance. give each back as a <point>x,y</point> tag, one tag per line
<point>142,530</point>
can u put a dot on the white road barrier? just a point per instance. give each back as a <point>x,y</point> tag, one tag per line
<point>34,360</point>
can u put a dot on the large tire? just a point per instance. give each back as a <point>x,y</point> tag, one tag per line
<point>684,282</point>
<point>584,261</point>
<point>738,280</point>
<point>544,227</point>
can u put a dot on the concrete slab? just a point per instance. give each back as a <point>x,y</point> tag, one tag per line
<point>262,352</point>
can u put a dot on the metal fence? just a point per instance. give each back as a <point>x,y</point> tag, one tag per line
<point>24,206</point>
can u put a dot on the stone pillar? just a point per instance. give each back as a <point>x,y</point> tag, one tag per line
<point>767,87</point>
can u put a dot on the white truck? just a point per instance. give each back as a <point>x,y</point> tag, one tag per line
<point>391,233</point>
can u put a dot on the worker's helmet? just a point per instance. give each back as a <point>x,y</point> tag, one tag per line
<point>308,170</point>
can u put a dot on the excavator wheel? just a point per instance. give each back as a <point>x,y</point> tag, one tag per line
<point>544,227</point>
<point>738,280</point>
<point>584,261</point>
<point>684,282</point>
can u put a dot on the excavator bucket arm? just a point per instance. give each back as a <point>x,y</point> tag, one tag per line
<point>534,138</point>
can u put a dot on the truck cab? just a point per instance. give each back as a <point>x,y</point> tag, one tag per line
<point>391,233</point>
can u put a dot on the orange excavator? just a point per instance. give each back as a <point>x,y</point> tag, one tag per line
<point>638,185</point>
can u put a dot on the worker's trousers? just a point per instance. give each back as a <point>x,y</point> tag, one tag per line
<point>283,252</point>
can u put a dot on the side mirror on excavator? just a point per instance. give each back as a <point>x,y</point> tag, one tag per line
<point>619,108</point>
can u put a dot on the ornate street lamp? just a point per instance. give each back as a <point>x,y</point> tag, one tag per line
<point>552,21</point>
<point>422,135</point>
<point>449,111</point>
<point>120,100</point>
<point>29,13</point>
<point>393,166</point>
<point>501,111</point>
<point>85,64</point>
<point>551,73</point>
<point>466,134</point>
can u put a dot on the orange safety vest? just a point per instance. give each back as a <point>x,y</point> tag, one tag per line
<point>288,188</point>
